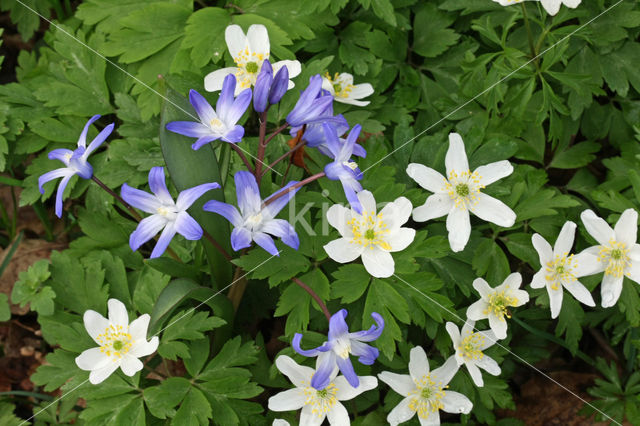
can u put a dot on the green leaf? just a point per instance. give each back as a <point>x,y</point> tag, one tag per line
<point>628,299</point>
<point>5,309</point>
<point>29,288</point>
<point>260,264</point>
<point>195,409</point>
<point>23,16</point>
<point>350,283</point>
<point>204,35</point>
<point>431,36</point>
<point>491,262</point>
<point>384,10</point>
<point>186,325</point>
<point>148,288</point>
<point>570,322</point>
<point>385,300</point>
<point>294,301</point>
<point>7,417</point>
<point>576,156</point>
<point>60,367</point>
<point>161,400</point>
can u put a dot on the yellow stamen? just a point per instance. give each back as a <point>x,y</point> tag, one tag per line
<point>369,231</point>
<point>615,255</point>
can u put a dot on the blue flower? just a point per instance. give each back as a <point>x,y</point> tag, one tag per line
<point>219,123</point>
<point>166,215</point>
<point>312,105</point>
<point>342,168</point>
<point>269,89</point>
<point>341,344</point>
<point>254,222</point>
<point>75,161</point>
<point>314,133</point>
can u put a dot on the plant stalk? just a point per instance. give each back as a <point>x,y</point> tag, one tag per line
<point>313,294</point>
<point>293,188</point>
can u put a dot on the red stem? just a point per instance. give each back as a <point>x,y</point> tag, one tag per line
<point>313,294</point>
<point>293,188</point>
<point>242,157</point>
<point>262,145</point>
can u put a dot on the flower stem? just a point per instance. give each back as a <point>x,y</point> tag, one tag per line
<point>293,188</point>
<point>285,155</point>
<point>313,294</point>
<point>529,35</point>
<point>262,146</point>
<point>242,156</point>
<point>217,245</point>
<point>276,132</point>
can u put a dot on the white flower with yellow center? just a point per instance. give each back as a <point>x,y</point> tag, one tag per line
<point>120,343</point>
<point>425,393</point>
<point>551,6</point>
<point>460,193</point>
<point>617,254</point>
<point>371,235</point>
<point>494,303</point>
<point>560,269</point>
<point>343,90</point>
<point>316,404</point>
<point>469,346</point>
<point>248,52</point>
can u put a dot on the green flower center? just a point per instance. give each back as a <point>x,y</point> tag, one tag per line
<point>426,393</point>
<point>370,234</point>
<point>337,87</point>
<point>462,189</point>
<point>322,393</point>
<point>616,254</point>
<point>251,67</point>
<point>118,345</point>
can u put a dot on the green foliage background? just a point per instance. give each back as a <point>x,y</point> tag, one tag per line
<point>568,121</point>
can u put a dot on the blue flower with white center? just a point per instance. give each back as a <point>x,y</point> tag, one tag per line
<point>254,222</point>
<point>343,168</point>
<point>166,215</point>
<point>219,123</point>
<point>312,104</point>
<point>269,89</point>
<point>75,161</point>
<point>341,344</point>
<point>314,132</point>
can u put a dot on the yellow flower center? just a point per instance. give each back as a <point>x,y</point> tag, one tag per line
<point>369,231</point>
<point>463,188</point>
<point>167,212</point>
<point>115,341</point>
<point>499,302</point>
<point>249,64</point>
<point>615,255</point>
<point>340,89</point>
<point>216,124</point>
<point>561,270</point>
<point>321,401</point>
<point>469,347</point>
<point>351,164</point>
<point>427,397</point>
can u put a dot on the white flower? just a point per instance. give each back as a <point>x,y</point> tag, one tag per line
<point>618,255</point>
<point>460,193</point>
<point>120,343</point>
<point>551,6</point>
<point>248,52</point>
<point>370,235</point>
<point>469,346</point>
<point>494,302</point>
<point>425,392</point>
<point>316,404</point>
<point>280,422</point>
<point>559,269</point>
<point>343,90</point>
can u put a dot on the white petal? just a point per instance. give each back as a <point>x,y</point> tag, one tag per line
<point>236,41</point>
<point>118,313</point>
<point>138,327</point>
<point>545,252</point>
<point>555,300</point>
<point>401,239</point>
<point>493,210</point>
<point>426,177</point>
<point>476,311</point>
<point>400,383</point>
<point>396,212</point>
<point>360,91</point>
<point>539,279</point>
<point>512,282</point>
<point>368,202</point>
<point>299,375</point>
<point>143,348</point>
<point>98,376</point>
<point>307,418</point>
<point>456,158</point>
<point>258,39</point>
<point>580,292</point>
<point>418,363</point>
<point>400,413</point>
<point>482,287</point>
<point>597,227</point>
<point>588,263</point>
<point>610,290</point>
<point>521,297</point>
<point>338,415</point>
<point>377,262</point>
<point>633,271</point>
<point>564,242</point>
<point>454,333</point>
<point>571,3</point>
<point>351,101</point>
<point>492,172</point>
<point>490,339</point>
<point>475,373</point>
<point>292,399</point>
<point>626,228</point>
<point>446,371</point>
<point>489,365</point>
<point>92,359</point>
<point>95,324</point>
<point>459,228</point>
<point>432,420</point>
<point>280,422</point>
<point>293,67</point>
<point>343,250</point>
<point>551,6</point>
<point>455,402</point>
<point>437,205</point>
<point>498,326</point>
<point>130,365</point>
<point>338,216</point>
<point>213,80</point>
<point>467,327</point>
<point>346,392</point>
<point>634,252</point>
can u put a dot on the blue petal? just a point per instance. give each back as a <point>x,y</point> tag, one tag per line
<point>53,174</point>
<point>266,242</point>
<point>158,185</point>
<point>225,101</point>
<point>140,199</point>
<point>61,155</point>
<point>240,105</point>
<point>234,135</point>
<point>82,140</point>
<point>261,90</point>
<point>336,171</point>
<point>164,240</point>
<point>189,196</point>
<point>188,227</point>
<point>147,228</point>
<point>325,367</point>
<point>203,140</point>
<point>61,187</point>
<point>203,108</point>
<point>332,140</point>
<point>346,368</point>
<point>247,193</point>
<point>295,344</point>
<point>274,208</point>
<point>366,354</point>
<point>98,140</point>
<point>359,151</point>
<point>347,148</point>
<point>79,163</point>
<point>189,128</point>
<point>282,229</point>
<point>228,211</point>
<point>337,325</point>
<point>350,187</point>
<point>279,86</point>
<point>373,332</point>
<point>240,238</point>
